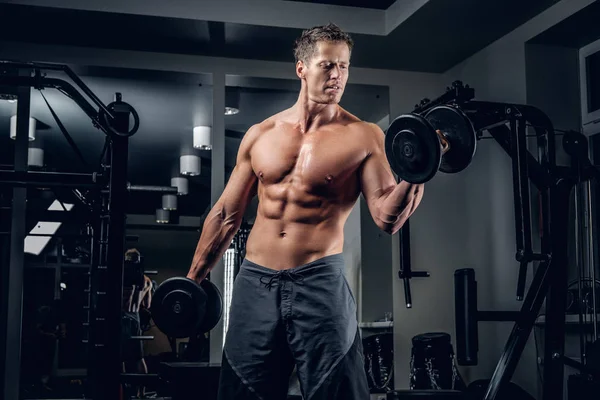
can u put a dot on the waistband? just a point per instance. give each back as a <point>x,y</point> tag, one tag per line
<point>330,261</point>
<point>270,277</point>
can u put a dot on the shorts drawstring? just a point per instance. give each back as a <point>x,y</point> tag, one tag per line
<point>275,278</point>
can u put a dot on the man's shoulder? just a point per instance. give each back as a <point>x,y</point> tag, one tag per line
<point>368,132</point>
<point>265,125</point>
<point>365,127</point>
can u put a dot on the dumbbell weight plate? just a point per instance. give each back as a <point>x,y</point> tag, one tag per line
<point>459,132</point>
<point>179,307</point>
<point>214,306</point>
<point>413,148</point>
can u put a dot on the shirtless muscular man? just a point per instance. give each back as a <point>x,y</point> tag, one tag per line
<point>291,304</point>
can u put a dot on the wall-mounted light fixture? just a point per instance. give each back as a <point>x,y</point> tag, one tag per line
<point>13,128</point>
<point>169,202</point>
<point>189,165</point>
<point>202,137</point>
<point>162,216</point>
<point>181,184</point>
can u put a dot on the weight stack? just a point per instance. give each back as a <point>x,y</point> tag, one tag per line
<point>432,363</point>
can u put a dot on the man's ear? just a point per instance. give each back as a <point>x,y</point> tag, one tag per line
<point>300,68</point>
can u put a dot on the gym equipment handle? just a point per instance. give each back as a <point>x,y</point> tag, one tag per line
<point>406,273</point>
<point>467,316</point>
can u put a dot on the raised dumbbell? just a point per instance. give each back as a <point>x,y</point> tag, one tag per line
<point>417,146</point>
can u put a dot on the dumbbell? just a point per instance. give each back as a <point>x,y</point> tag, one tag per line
<point>183,308</point>
<point>417,146</point>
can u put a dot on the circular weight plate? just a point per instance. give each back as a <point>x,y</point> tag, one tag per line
<point>178,307</point>
<point>412,148</point>
<point>459,131</point>
<point>214,306</point>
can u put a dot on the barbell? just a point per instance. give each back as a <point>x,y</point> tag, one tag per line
<point>183,308</point>
<point>418,146</point>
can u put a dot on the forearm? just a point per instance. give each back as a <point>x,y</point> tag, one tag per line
<point>397,205</point>
<point>217,233</point>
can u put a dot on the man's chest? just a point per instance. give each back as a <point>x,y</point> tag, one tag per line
<point>313,160</point>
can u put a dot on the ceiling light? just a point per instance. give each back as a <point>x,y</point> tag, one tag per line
<point>13,128</point>
<point>162,216</point>
<point>181,184</point>
<point>189,165</point>
<point>202,137</point>
<point>169,202</point>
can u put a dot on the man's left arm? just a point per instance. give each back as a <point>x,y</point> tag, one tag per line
<point>390,203</point>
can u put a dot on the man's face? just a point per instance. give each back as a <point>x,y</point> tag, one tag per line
<point>326,73</point>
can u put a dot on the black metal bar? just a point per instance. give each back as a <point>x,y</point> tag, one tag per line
<point>498,316</point>
<point>4,285</point>
<point>50,179</point>
<point>164,227</point>
<point>152,188</point>
<point>465,310</point>
<point>557,295</point>
<point>524,189</point>
<point>517,194</point>
<point>522,279</point>
<point>97,332</point>
<point>111,354</point>
<point>405,272</point>
<point>14,295</point>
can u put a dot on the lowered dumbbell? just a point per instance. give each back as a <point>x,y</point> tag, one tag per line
<point>182,308</point>
<point>417,146</point>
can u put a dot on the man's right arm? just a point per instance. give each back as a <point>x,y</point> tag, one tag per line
<point>225,217</point>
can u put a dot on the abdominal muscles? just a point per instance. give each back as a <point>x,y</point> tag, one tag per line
<point>296,224</point>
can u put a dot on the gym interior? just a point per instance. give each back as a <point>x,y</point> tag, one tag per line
<point>120,123</point>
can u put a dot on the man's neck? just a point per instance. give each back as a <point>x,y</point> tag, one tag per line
<point>311,115</point>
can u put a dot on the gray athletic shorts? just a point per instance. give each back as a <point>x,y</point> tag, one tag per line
<point>304,317</point>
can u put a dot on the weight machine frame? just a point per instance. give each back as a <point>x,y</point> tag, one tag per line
<point>554,184</point>
<point>106,206</point>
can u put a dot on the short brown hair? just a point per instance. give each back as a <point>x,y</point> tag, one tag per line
<point>306,45</point>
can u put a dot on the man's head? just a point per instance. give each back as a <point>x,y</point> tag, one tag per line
<point>322,60</point>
